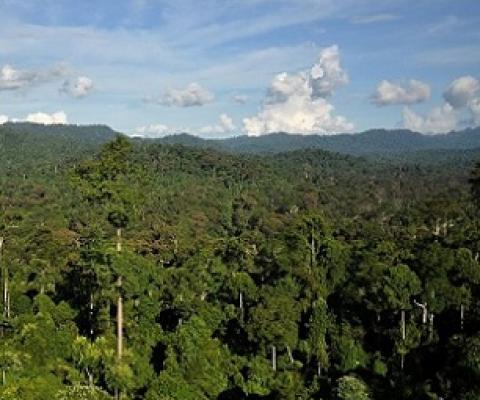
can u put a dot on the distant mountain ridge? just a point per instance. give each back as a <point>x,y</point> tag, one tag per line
<point>378,141</point>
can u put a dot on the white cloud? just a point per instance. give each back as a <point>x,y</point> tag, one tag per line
<point>154,130</point>
<point>47,119</point>
<point>296,103</point>
<point>439,120</point>
<point>474,107</point>
<point>225,125</point>
<point>78,87</point>
<point>240,99</point>
<point>462,91</point>
<point>370,19</point>
<point>388,93</point>
<point>193,95</point>
<point>15,79</point>
<point>39,118</point>
<point>327,74</point>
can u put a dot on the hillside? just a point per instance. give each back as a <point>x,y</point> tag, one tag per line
<point>221,259</point>
<point>33,144</point>
<point>370,142</point>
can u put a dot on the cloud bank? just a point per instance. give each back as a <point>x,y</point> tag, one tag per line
<point>225,125</point>
<point>388,93</point>
<point>297,103</point>
<point>78,87</point>
<point>193,95</point>
<point>56,118</point>
<point>462,91</point>
<point>15,79</point>
<point>153,130</point>
<point>439,120</point>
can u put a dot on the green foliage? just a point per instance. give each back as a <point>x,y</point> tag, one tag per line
<point>274,276</point>
<point>351,388</point>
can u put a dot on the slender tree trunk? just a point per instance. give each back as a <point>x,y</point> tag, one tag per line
<point>462,312</point>
<point>119,240</point>
<point>274,358</point>
<point>319,368</point>
<point>118,393</point>
<point>119,324</point>
<point>90,378</point>
<point>240,304</point>
<point>290,355</point>
<point>91,315</point>
<point>402,318</point>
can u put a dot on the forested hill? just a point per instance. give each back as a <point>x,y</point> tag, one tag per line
<point>381,141</point>
<point>148,271</point>
<point>60,140</point>
<point>30,144</point>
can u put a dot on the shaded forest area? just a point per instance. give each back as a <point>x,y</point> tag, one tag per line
<point>141,270</point>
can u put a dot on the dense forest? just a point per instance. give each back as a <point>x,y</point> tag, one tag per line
<point>139,269</point>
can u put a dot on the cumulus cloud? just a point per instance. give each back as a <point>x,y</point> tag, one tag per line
<point>15,79</point>
<point>193,95</point>
<point>153,130</point>
<point>474,107</point>
<point>327,74</point>
<point>462,91</point>
<point>240,99</point>
<point>388,93</point>
<point>297,103</point>
<point>57,118</point>
<point>225,125</point>
<point>439,120</point>
<point>78,87</point>
<point>3,119</point>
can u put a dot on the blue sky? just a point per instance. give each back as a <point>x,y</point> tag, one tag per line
<point>222,68</point>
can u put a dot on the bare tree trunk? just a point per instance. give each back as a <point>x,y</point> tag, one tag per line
<point>462,312</point>
<point>118,393</point>
<point>290,355</point>
<point>240,304</point>
<point>319,368</point>
<point>402,322</point>
<point>274,358</point>
<point>90,378</point>
<point>119,240</point>
<point>424,310</point>
<point>120,324</point>
<point>91,315</point>
<point>436,232</point>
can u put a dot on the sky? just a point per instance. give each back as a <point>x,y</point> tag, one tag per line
<point>221,68</point>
